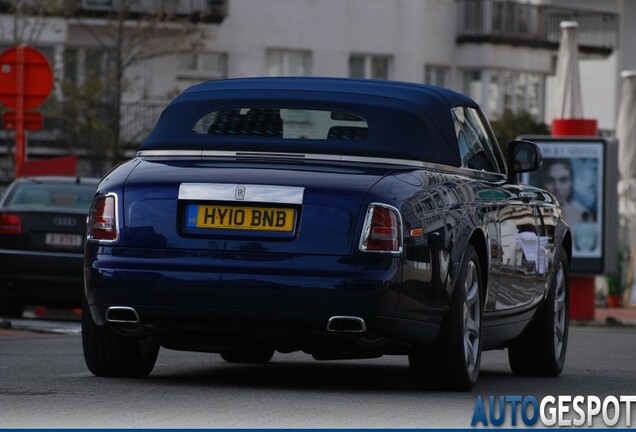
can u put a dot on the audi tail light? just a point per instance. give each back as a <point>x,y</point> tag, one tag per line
<point>382,231</point>
<point>102,222</point>
<point>10,224</point>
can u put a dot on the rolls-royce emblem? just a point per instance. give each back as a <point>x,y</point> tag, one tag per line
<point>64,222</point>
<point>239,194</point>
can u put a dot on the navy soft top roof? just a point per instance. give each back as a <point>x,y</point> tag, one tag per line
<point>406,120</point>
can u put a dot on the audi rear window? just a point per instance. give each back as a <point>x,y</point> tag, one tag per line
<point>283,124</point>
<point>51,195</point>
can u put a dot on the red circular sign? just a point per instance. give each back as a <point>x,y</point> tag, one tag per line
<point>36,80</point>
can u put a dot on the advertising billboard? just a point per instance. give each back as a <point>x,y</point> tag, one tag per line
<point>576,171</point>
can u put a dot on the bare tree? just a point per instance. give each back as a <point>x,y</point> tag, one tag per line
<point>130,36</point>
<point>128,33</point>
<point>29,19</point>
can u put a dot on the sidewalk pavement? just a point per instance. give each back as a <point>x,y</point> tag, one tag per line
<point>613,317</point>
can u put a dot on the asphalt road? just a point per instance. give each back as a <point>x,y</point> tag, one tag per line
<point>44,383</point>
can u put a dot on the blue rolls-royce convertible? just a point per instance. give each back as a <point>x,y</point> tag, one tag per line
<point>343,218</point>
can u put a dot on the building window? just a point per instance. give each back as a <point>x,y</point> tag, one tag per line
<point>100,3</point>
<point>70,65</point>
<point>288,63</point>
<point>436,75</point>
<point>81,63</point>
<point>506,90</point>
<point>534,95</point>
<point>98,63</point>
<point>94,62</point>
<point>473,86</point>
<point>494,94</point>
<point>49,53</point>
<point>202,65</point>
<point>370,66</point>
<point>356,67</point>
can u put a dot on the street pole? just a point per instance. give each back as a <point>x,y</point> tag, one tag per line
<point>20,138</point>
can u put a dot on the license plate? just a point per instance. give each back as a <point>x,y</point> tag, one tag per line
<point>56,239</point>
<point>240,218</point>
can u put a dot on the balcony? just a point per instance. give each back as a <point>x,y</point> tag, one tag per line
<point>205,11</point>
<point>537,26</point>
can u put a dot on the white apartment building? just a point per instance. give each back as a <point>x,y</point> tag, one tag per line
<point>500,52</point>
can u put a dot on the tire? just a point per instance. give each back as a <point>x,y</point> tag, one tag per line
<point>248,355</point>
<point>540,351</point>
<point>108,354</point>
<point>452,362</point>
<point>11,309</point>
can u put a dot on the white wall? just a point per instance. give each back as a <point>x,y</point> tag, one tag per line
<point>44,31</point>
<point>413,31</point>
<point>503,57</point>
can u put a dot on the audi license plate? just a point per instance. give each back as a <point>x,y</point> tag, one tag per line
<point>57,239</point>
<point>240,218</point>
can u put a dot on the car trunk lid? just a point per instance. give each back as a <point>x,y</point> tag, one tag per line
<point>278,207</point>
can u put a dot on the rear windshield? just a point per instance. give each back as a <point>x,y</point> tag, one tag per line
<point>283,123</point>
<point>54,196</point>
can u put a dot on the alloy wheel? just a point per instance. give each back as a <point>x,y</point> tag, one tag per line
<point>472,318</point>
<point>560,312</point>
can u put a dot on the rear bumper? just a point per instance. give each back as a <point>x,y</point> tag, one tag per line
<point>35,277</point>
<point>213,330</point>
<point>249,293</point>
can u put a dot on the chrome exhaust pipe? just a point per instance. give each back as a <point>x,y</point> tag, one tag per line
<point>346,324</point>
<point>122,315</point>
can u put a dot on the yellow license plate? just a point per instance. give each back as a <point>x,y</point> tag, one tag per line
<point>243,218</point>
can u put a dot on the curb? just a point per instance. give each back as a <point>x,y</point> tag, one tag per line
<point>48,327</point>
<point>610,322</point>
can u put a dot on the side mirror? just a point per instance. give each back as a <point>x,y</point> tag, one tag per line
<point>523,156</point>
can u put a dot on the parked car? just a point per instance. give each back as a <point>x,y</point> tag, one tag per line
<point>42,232</point>
<point>342,218</point>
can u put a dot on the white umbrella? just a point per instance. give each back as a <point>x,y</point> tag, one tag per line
<point>626,134</point>
<point>568,101</point>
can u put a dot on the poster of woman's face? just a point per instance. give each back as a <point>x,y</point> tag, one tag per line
<point>572,172</point>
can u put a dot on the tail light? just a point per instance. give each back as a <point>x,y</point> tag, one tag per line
<point>10,224</point>
<point>102,221</point>
<point>382,230</point>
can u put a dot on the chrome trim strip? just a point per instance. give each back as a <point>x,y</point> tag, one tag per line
<point>386,161</point>
<point>163,153</point>
<point>40,253</point>
<point>252,193</point>
<point>117,226</point>
<point>301,156</point>
<point>323,157</point>
<point>243,154</point>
